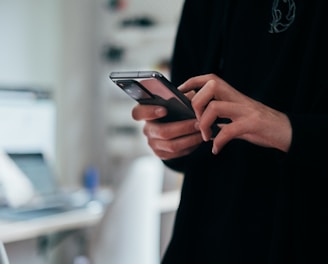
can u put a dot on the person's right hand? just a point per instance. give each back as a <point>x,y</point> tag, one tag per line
<point>167,140</point>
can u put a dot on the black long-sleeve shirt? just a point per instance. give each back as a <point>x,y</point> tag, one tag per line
<point>251,204</point>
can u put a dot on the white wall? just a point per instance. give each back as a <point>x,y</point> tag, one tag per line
<point>29,43</point>
<point>53,45</point>
<point>57,45</point>
<point>79,99</point>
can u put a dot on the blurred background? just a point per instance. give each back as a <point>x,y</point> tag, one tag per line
<point>56,100</point>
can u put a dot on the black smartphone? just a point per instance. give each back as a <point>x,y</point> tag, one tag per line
<point>153,88</point>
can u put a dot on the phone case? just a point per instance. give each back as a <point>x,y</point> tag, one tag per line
<point>152,88</point>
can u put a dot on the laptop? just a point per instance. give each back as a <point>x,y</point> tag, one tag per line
<point>49,197</point>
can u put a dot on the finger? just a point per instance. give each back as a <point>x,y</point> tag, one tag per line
<point>177,144</point>
<point>225,135</point>
<point>190,94</point>
<point>228,132</point>
<point>166,131</point>
<point>203,97</point>
<point>148,112</point>
<point>175,148</point>
<point>214,111</point>
<point>222,90</point>
<point>173,155</point>
<point>196,82</point>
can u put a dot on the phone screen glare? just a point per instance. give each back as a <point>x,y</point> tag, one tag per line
<point>135,91</point>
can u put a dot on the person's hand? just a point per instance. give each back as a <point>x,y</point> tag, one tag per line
<point>167,140</point>
<point>250,119</point>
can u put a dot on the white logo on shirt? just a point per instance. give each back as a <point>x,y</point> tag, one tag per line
<point>283,15</point>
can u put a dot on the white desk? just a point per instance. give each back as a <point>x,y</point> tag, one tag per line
<point>22,238</point>
<point>89,215</point>
<point>11,231</point>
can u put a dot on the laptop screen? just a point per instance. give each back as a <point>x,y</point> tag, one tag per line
<point>37,170</point>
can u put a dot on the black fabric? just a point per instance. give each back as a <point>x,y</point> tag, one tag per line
<point>250,204</point>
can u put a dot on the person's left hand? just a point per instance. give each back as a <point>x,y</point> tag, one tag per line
<point>250,120</point>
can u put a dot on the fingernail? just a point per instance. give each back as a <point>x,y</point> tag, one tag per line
<point>160,111</point>
<point>204,137</point>
<point>214,150</point>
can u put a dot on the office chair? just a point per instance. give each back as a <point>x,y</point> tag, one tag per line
<point>130,230</point>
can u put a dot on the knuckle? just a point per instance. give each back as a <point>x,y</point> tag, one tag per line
<point>211,105</point>
<point>202,126</point>
<point>134,114</point>
<point>162,154</point>
<point>211,84</point>
<point>150,143</point>
<point>228,132</point>
<point>212,76</point>
<point>163,132</point>
<point>146,130</point>
<point>172,147</point>
<point>155,130</point>
<point>195,103</point>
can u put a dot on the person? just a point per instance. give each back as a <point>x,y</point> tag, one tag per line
<point>257,191</point>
